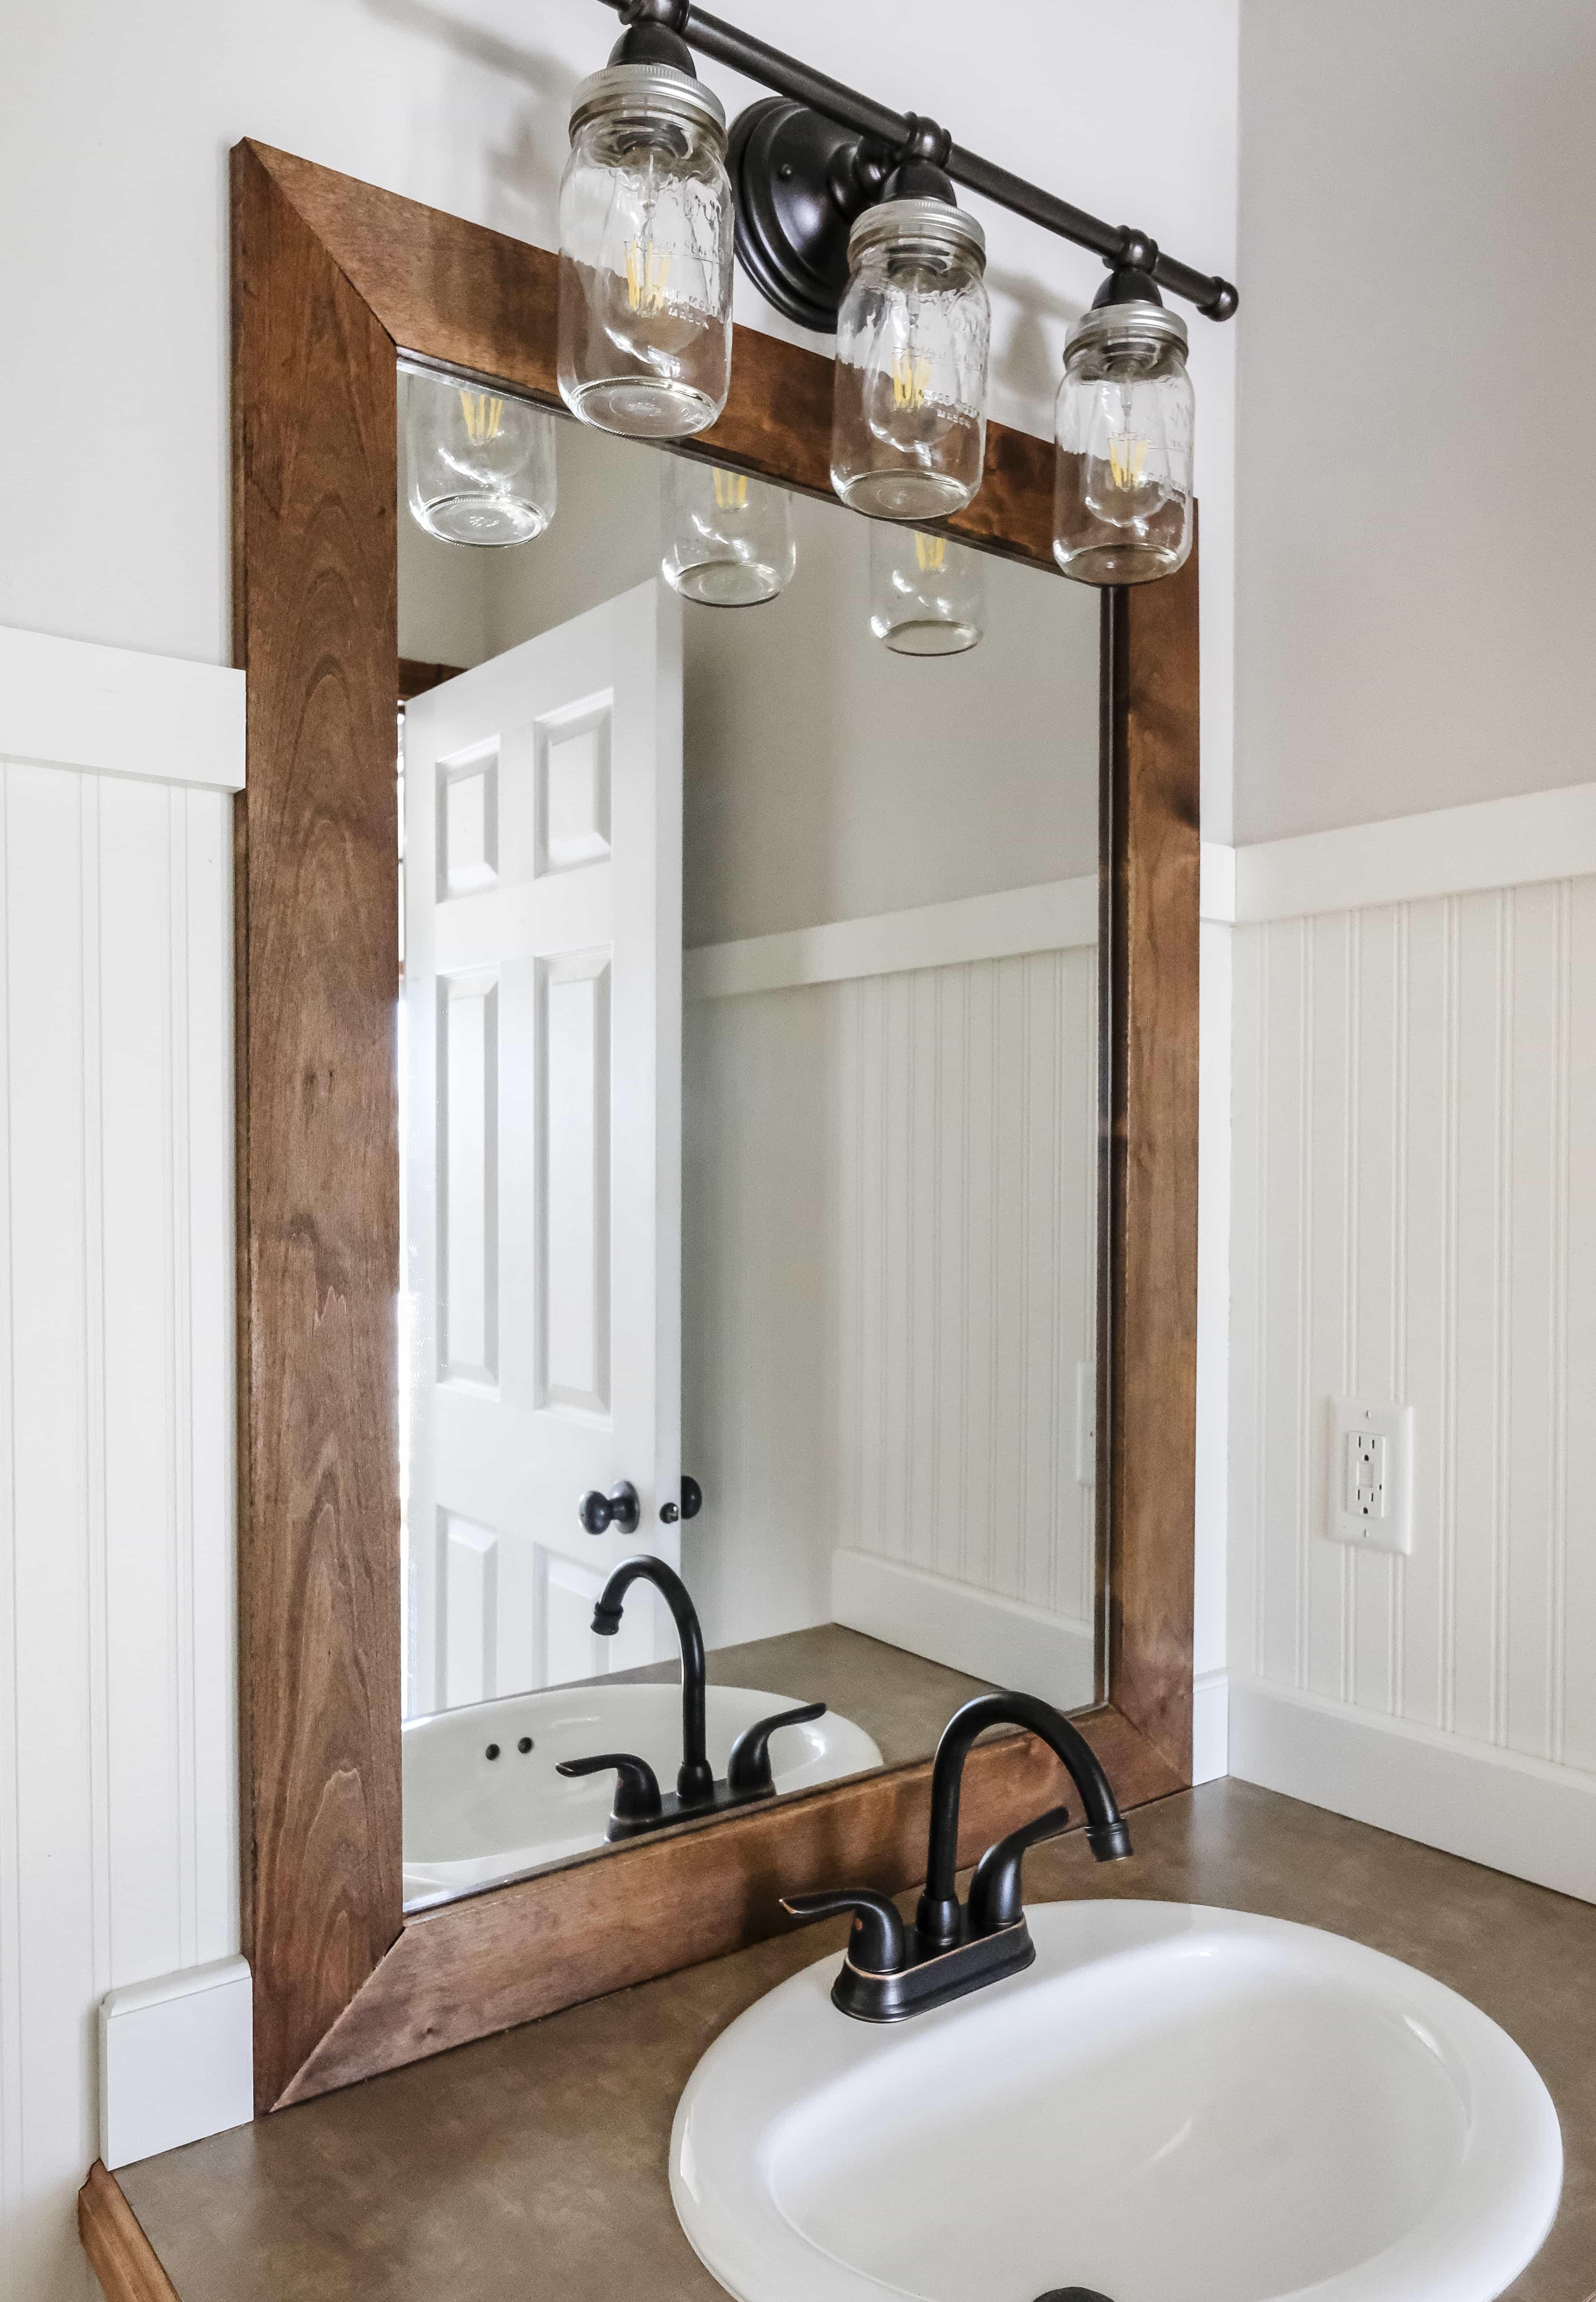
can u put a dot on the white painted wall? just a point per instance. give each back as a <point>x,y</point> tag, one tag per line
<point>113,245</point>
<point>1415,585</point>
<point>118,1748</point>
<point>1414,1130</point>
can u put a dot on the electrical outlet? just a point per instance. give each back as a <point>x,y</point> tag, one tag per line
<point>1369,1493</point>
<point>1085,1423</point>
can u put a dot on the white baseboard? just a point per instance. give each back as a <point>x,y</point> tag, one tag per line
<point>1511,1813</point>
<point>177,2060</point>
<point>966,1629</point>
<point>1211,1726</point>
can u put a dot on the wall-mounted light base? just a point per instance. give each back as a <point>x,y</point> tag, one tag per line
<point>800,181</point>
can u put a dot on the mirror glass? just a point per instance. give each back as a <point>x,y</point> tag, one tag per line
<point>748,1094</point>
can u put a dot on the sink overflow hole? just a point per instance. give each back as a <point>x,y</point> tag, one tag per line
<point>1072,2294</point>
<point>493,1749</point>
<point>525,1744</point>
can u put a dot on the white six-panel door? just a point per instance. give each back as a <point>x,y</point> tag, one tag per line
<point>542,873</point>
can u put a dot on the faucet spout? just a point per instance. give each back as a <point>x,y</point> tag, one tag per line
<point>695,1780</point>
<point>937,1919</point>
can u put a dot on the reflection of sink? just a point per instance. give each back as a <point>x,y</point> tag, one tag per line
<point>1173,2104</point>
<point>470,1819</point>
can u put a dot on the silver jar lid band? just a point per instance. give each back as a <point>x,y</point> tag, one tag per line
<point>1130,323</point>
<point>660,89</point>
<point>926,223</point>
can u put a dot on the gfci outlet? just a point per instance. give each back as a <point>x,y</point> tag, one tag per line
<point>1369,1493</point>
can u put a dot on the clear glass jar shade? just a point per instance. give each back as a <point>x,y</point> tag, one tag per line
<point>1122,478</point>
<point>481,466</point>
<point>728,539</point>
<point>645,273</point>
<point>909,412</point>
<point>928,594</point>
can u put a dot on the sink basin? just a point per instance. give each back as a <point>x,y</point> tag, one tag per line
<point>1171,2104</point>
<point>471,1820</point>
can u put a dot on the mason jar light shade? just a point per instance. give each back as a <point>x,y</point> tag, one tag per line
<point>928,594</point>
<point>909,411</point>
<point>645,255</point>
<point>481,466</point>
<point>728,539</point>
<point>1123,430</point>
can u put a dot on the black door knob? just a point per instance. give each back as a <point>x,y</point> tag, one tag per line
<point>619,1508</point>
<point>692,1503</point>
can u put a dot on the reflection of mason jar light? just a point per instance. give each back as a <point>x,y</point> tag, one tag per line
<point>481,466</point>
<point>909,409</point>
<point>646,254</point>
<point>928,594</point>
<point>728,539</point>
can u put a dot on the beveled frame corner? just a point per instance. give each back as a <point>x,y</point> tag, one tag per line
<point>330,280</point>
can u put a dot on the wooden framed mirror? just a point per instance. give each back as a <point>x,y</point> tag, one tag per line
<point>333,283</point>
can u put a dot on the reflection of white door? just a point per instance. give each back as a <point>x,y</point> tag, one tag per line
<point>543,999</point>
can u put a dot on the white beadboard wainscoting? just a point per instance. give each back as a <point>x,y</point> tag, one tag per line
<point>890,1131</point>
<point>1415,1220</point>
<point>118,1751</point>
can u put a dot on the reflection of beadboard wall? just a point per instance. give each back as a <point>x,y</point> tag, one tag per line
<point>1415,1147</point>
<point>118,1830</point>
<point>890,1256</point>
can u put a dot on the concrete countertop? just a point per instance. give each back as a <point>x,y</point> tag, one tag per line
<point>535,2162</point>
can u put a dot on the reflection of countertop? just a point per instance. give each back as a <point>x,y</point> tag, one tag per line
<point>535,2162</point>
<point>901,1701</point>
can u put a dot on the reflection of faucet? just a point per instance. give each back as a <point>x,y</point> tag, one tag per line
<point>694,1778</point>
<point>638,1804</point>
<point>891,1971</point>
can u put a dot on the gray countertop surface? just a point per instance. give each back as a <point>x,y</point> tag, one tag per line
<point>535,2162</point>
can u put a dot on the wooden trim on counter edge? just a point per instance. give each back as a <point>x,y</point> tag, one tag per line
<point>121,2256</point>
<point>462,1971</point>
<point>330,280</point>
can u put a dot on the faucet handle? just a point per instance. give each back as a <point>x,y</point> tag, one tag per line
<point>995,1898</point>
<point>636,1788</point>
<point>748,1769</point>
<point>877,1945</point>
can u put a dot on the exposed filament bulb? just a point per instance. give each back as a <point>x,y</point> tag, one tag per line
<point>911,379</point>
<point>1126,456</point>
<point>731,491</point>
<point>930,553</point>
<point>483,416</point>
<point>648,274</point>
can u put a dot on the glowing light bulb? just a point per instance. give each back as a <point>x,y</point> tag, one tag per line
<point>930,553</point>
<point>731,490</point>
<point>483,416</point>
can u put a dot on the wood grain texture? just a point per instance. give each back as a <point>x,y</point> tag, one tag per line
<point>461,296</point>
<point>329,276</point>
<point>465,1971</point>
<point>315,413</point>
<point>120,2254</point>
<point>1150,830</point>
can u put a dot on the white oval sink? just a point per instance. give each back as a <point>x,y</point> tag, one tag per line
<point>471,1820</point>
<point>1173,2104</point>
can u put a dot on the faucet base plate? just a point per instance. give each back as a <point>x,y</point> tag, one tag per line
<point>933,1977</point>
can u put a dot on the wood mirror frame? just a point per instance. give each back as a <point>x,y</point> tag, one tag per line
<point>332,279</point>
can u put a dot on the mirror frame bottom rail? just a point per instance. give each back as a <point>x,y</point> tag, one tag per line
<point>332,279</point>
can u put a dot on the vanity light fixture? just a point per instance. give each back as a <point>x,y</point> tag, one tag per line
<point>480,464</point>
<point>928,594</point>
<point>728,538</point>
<point>909,400</point>
<point>645,243</point>
<point>1122,426</point>
<point>846,222</point>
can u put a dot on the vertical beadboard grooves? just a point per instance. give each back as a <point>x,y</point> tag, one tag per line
<point>314,587</point>
<point>117,1854</point>
<point>1441,1252</point>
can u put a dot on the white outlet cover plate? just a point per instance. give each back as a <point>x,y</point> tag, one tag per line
<point>1394,1530</point>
